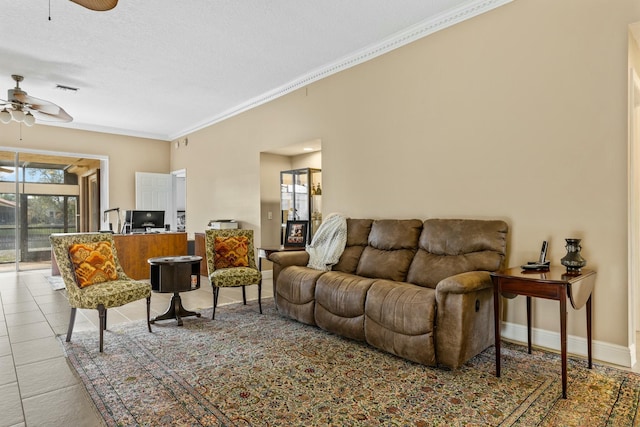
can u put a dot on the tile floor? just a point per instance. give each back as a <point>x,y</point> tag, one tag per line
<point>37,386</point>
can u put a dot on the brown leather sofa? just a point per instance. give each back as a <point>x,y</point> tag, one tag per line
<point>419,290</point>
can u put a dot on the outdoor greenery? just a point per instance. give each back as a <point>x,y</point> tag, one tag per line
<point>42,214</point>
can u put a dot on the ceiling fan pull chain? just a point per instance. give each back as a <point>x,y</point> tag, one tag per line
<point>49,10</point>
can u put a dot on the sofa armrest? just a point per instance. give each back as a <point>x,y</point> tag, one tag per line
<point>284,259</point>
<point>464,325</point>
<point>464,282</point>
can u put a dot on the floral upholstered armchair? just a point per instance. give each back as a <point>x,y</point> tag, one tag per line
<point>93,276</point>
<point>231,262</point>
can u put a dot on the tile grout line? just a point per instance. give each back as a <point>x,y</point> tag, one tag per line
<point>13,360</point>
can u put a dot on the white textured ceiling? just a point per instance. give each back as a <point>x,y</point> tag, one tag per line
<point>164,68</point>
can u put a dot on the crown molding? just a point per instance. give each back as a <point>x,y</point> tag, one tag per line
<point>445,20</point>
<point>107,129</point>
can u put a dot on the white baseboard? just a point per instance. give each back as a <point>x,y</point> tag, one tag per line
<point>602,351</point>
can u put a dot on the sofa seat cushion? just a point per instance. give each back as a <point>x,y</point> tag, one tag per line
<point>295,293</point>
<point>400,319</point>
<point>340,301</point>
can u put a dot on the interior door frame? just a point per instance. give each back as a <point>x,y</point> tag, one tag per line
<point>90,192</point>
<point>633,213</point>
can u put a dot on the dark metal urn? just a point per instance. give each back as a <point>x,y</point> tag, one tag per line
<point>573,260</point>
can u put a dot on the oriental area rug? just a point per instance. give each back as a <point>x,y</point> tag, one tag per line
<point>247,369</point>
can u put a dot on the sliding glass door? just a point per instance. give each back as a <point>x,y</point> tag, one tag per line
<point>40,194</point>
<point>42,215</point>
<point>9,211</point>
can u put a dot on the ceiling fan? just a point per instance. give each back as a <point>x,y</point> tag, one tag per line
<point>99,5</point>
<point>25,109</point>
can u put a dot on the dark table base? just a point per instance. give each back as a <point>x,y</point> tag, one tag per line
<point>175,311</point>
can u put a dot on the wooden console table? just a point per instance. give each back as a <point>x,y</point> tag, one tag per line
<point>135,249</point>
<point>554,284</point>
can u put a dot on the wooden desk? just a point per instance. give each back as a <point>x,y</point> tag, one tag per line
<point>135,249</point>
<point>201,250</point>
<point>552,284</point>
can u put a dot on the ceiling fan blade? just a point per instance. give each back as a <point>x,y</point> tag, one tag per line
<point>41,109</point>
<point>99,5</point>
<point>61,116</point>
<point>37,104</point>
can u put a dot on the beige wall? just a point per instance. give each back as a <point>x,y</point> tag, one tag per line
<point>127,155</point>
<point>519,114</point>
<point>308,160</point>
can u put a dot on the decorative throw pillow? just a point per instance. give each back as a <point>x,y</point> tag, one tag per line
<point>231,252</point>
<point>93,263</point>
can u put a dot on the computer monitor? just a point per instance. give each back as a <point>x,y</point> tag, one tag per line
<point>141,220</point>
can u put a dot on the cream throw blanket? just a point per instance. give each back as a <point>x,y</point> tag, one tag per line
<point>328,243</point>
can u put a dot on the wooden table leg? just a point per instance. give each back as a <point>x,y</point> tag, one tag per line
<point>496,322</point>
<point>529,323</point>
<point>589,331</point>
<point>175,311</point>
<point>563,341</point>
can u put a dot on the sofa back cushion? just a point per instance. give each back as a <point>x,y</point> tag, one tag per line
<point>452,246</point>
<point>357,238</point>
<point>391,247</point>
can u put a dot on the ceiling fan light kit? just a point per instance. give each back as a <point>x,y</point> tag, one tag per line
<point>23,108</point>
<point>5,116</point>
<point>17,115</point>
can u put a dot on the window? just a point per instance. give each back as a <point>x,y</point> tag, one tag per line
<point>41,174</point>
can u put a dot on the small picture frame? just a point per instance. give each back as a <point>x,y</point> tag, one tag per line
<point>296,234</point>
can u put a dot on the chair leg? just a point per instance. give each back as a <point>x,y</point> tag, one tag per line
<point>72,320</point>
<point>244,296</point>
<point>260,295</point>
<point>216,290</point>
<point>103,323</point>
<point>149,312</point>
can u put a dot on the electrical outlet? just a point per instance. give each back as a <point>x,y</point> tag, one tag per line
<point>269,215</point>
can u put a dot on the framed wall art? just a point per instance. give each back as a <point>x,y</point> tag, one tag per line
<point>296,234</point>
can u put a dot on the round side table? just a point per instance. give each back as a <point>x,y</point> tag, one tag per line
<point>175,274</point>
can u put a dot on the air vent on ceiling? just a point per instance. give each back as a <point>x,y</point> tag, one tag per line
<point>67,88</point>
